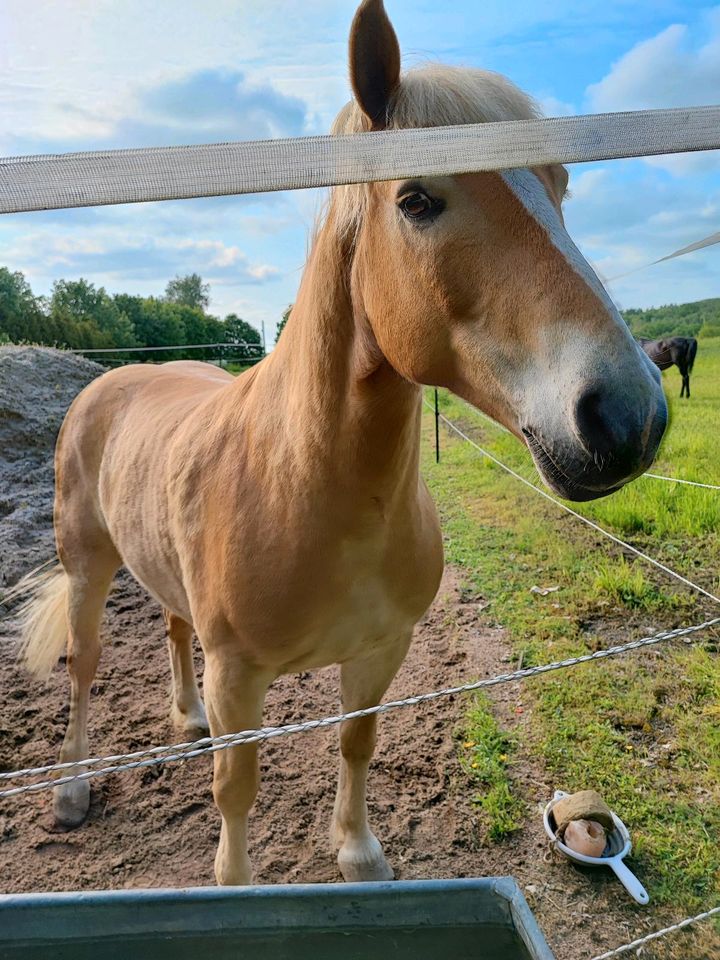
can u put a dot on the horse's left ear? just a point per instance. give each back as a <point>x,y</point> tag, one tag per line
<point>374,61</point>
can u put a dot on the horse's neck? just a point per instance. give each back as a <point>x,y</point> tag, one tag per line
<point>343,403</point>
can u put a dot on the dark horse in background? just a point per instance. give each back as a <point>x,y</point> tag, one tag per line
<point>673,350</point>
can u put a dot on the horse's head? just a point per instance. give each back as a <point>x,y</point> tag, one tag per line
<point>471,282</point>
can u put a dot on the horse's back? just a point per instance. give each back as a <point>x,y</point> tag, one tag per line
<point>138,397</point>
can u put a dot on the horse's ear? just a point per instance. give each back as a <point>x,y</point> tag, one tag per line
<point>374,61</point>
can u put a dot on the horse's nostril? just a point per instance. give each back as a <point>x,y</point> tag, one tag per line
<point>593,416</point>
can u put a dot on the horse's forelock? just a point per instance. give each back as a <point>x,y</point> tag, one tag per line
<point>434,95</point>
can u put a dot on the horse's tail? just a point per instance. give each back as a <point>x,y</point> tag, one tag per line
<point>43,620</point>
<point>692,350</point>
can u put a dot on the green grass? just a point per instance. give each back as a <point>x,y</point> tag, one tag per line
<point>644,728</point>
<point>485,753</point>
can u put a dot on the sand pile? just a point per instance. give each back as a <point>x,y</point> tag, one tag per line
<point>37,385</point>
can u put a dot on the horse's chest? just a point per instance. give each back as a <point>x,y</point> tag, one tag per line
<point>339,601</point>
<point>369,613</point>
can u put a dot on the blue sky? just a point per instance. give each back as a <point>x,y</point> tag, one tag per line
<point>76,75</point>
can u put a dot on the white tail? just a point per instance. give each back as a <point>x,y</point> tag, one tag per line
<point>43,621</point>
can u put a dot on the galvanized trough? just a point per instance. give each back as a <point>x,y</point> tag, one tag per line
<point>484,919</point>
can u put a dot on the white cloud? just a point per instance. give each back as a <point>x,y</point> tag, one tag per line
<point>624,215</point>
<point>106,254</point>
<point>553,107</point>
<point>678,67</point>
<point>587,183</point>
<point>675,68</point>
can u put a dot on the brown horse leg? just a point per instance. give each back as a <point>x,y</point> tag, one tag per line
<point>360,855</point>
<point>86,598</point>
<point>234,694</point>
<point>187,712</point>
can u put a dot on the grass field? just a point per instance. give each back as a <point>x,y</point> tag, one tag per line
<point>644,729</point>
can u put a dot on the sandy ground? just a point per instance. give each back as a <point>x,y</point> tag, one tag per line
<point>159,827</point>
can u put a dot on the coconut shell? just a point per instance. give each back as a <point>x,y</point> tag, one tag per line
<point>586,805</point>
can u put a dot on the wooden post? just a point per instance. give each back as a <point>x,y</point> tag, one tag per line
<point>437,428</point>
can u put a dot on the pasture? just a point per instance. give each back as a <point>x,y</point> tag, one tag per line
<point>644,729</point>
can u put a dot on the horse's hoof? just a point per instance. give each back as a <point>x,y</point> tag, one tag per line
<point>193,723</point>
<point>364,860</point>
<point>71,802</point>
<point>232,874</point>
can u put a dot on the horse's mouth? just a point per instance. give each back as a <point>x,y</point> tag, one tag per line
<point>557,479</point>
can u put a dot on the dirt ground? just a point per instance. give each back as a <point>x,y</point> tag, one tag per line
<point>159,827</point>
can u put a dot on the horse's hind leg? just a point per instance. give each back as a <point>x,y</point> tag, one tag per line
<point>360,856</point>
<point>188,712</point>
<point>86,595</point>
<point>685,388</point>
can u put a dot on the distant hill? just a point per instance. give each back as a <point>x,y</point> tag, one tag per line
<point>698,319</point>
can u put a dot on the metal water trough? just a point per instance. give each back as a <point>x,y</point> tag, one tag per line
<point>484,919</point>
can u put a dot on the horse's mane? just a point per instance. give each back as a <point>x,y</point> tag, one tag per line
<point>433,95</point>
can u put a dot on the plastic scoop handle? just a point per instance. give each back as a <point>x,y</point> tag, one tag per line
<point>628,879</point>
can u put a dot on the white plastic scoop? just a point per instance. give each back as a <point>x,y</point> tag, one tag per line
<point>618,847</point>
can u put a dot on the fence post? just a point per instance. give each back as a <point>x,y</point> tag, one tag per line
<point>437,428</point>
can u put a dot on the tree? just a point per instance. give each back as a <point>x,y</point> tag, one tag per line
<point>240,331</point>
<point>21,314</point>
<point>189,291</point>
<point>281,324</point>
<point>90,314</point>
<point>245,337</point>
<point>158,323</point>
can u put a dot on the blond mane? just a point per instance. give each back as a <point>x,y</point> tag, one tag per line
<point>432,95</point>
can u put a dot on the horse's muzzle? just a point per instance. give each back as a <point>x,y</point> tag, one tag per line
<point>611,444</point>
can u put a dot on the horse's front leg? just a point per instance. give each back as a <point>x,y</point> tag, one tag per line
<point>234,697</point>
<point>364,681</point>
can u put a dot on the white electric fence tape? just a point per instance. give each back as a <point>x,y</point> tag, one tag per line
<point>690,248</point>
<point>169,173</point>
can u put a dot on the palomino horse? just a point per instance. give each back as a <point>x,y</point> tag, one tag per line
<point>281,514</point>
<point>679,351</point>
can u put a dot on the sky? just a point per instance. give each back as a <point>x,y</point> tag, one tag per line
<point>94,74</point>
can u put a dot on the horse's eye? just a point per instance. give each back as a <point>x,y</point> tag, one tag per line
<point>417,206</point>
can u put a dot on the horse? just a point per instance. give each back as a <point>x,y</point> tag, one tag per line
<point>673,350</point>
<point>280,514</point>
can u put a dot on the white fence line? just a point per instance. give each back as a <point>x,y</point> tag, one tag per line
<point>563,506</point>
<point>167,173</point>
<point>690,483</point>
<point>651,476</point>
<point>690,248</point>
<point>181,346</point>
<point>636,944</point>
<point>186,751</point>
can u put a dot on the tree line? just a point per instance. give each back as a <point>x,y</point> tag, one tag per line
<point>698,319</point>
<point>78,315</point>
